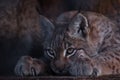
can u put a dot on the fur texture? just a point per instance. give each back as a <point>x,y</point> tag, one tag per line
<point>85,43</point>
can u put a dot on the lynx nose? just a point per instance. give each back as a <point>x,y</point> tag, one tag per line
<point>60,66</point>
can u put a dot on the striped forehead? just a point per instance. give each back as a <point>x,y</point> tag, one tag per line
<point>58,37</point>
<point>59,41</point>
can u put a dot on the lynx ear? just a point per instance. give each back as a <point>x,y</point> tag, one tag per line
<point>78,26</point>
<point>47,29</point>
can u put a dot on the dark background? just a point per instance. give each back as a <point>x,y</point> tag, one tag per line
<point>53,8</point>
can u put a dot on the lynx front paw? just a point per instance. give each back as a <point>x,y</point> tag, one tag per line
<point>28,66</point>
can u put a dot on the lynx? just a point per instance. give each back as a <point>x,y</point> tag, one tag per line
<point>83,44</point>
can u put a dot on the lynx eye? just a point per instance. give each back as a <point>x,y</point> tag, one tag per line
<point>51,53</point>
<point>70,52</point>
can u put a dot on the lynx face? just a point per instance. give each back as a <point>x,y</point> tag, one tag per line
<point>76,43</point>
<point>67,53</point>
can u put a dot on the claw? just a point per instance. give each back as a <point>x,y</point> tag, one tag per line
<point>95,72</point>
<point>33,71</point>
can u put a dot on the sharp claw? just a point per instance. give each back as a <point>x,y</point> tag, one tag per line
<point>33,71</point>
<point>95,71</point>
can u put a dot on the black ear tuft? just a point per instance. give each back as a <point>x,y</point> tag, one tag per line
<point>82,28</point>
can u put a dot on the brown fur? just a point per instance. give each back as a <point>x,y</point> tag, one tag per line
<point>99,43</point>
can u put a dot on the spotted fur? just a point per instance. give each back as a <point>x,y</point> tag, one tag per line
<point>93,38</point>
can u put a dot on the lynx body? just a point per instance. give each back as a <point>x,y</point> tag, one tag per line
<point>85,43</point>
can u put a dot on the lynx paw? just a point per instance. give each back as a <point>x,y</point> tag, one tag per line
<point>28,66</point>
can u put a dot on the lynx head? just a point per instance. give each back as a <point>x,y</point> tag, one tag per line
<point>76,41</point>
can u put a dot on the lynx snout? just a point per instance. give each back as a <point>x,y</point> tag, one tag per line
<point>59,67</point>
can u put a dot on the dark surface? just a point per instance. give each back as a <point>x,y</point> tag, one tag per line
<point>111,77</point>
